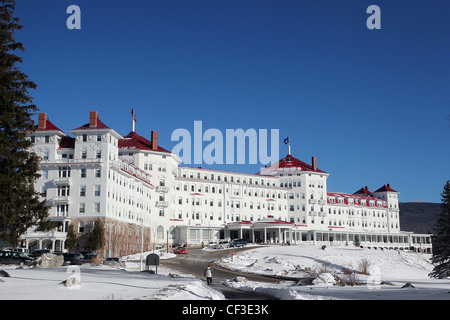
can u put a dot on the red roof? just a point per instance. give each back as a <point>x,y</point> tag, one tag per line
<point>364,191</point>
<point>356,198</point>
<point>386,188</point>
<point>134,141</point>
<point>100,125</point>
<point>348,195</point>
<point>290,162</point>
<point>49,126</point>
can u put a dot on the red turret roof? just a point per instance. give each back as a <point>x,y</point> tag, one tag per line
<point>134,141</point>
<point>386,188</point>
<point>100,125</point>
<point>364,191</point>
<point>289,162</point>
<point>49,126</point>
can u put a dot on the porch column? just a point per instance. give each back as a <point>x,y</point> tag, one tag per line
<point>280,240</point>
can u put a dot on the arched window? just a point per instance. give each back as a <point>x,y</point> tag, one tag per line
<point>160,233</point>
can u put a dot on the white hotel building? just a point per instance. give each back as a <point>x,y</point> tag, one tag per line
<point>145,198</point>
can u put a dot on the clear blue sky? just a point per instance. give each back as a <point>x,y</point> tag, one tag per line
<point>371,105</point>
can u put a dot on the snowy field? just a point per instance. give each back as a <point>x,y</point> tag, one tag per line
<point>102,283</point>
<point>388,271</point>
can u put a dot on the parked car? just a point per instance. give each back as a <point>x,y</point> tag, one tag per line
<point>88,255</point>
<point>239,243</point>
<point>180,250</point>
<point>112,261</point>
<point>222,245</point>
<point>73,258</point>
<point>39,252</point>
<point>18,249</point>
<point>15,257</point>
<point>212,244</point>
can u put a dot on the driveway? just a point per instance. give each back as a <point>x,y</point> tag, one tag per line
<point>196,261</point>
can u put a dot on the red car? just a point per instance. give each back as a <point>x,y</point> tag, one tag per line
<point>180,250</point>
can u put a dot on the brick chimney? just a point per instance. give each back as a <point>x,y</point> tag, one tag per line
<point>389,185</point>
<point>93,119</point>
<point>366,188</point>
<point>154,140</point>
<point>314,164</point>
<point>42,122</point>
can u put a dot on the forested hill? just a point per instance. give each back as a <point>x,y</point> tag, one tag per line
<point>419,217</point>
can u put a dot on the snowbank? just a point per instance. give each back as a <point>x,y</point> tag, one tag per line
<point>388,271</point>
<point>101,283</point>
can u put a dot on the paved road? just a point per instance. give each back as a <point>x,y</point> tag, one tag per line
<point>196,262</point>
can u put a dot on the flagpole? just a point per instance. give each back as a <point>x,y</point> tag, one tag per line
<point>134,121</point>
<point>289,145</point>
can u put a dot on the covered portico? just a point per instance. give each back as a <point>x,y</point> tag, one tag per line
<point>54,239</point>
<point>268,230</point>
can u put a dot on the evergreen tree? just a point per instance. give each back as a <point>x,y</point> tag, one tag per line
<point>441,239</point>
<point>71,239</point>
<point>20,207</point>
<point>96,237</point>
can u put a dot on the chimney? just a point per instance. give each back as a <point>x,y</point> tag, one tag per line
<point>42,123</point>
<point>314,164</point>
<point>389,185</point>
<point>366,188</point>
<point>93,119</point>
<point>154,140</point>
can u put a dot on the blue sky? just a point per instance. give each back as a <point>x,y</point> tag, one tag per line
<point>371,105</point>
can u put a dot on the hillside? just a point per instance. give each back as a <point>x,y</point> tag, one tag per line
<point>419,217</point>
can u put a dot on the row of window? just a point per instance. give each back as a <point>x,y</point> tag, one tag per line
<point>229,217</point>
<point>361,202</point>
<point>64,191</point>
<point>235,191</point>
<point>349,223</point>
<point>195,201</point>
<point>98,155</point>
<point>226,178</point>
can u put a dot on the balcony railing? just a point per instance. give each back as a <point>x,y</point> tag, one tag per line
<point>61,180</point>
<point>61,199</point>
<point>162,189</point>
<point>49,234</point>
<point>162,204</point>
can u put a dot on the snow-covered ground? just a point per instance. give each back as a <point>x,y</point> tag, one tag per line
<point>103,283</point>
<point>388,270</point>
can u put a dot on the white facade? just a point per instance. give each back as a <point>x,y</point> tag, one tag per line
<point>145,197</point>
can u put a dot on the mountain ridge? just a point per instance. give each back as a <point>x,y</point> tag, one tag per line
<point>418,216</point>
